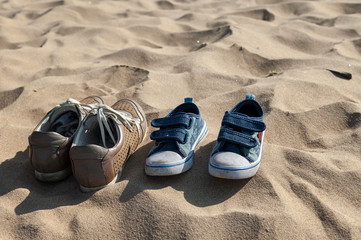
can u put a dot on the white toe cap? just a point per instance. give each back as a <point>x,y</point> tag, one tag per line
<point>230,160</point>
<point>164,158</point>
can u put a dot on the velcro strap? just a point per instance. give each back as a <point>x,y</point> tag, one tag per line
<point>182,120</point>
<point>169,134</point>
<point>244,122</point>
<point>237,138</point>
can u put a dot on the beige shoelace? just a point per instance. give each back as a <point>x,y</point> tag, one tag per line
<point>83,108</point>
<point>103,112</point>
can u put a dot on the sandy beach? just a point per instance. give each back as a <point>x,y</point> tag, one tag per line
<point>302,60</point>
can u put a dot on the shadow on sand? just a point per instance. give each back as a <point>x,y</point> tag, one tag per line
<point>17,173</point>
<point>200,189</point>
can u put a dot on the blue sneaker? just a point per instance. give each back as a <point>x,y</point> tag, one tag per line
<point>238,151</point>
<point>179,134</point>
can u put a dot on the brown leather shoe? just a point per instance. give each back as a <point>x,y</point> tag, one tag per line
<point>51,140</point>
<point>105,140</point>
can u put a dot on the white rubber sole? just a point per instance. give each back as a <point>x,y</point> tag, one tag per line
<point>177,168</point>
<point>53,177</point>
<point>169,170</point>
<point>231,172</point>
<point>88,189</point>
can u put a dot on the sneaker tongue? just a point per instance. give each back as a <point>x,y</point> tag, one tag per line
<point>178,113</point>
<point>169,146</point>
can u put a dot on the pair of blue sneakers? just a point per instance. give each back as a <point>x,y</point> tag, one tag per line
<point>238,150</point>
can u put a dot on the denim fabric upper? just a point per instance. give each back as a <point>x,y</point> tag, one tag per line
<point>240,130</point>
<point>179,130</point>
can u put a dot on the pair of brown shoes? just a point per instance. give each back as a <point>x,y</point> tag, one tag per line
<point>86,138</point>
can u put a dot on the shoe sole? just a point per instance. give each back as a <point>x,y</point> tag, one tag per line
<point>178,168</point>
<point>236,173</point>
<point>53,177</point>
<point>231,173</point>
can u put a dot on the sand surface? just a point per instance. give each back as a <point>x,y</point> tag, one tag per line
<point>158,52</point>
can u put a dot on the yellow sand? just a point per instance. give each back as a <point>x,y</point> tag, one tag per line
<point>158,52</point>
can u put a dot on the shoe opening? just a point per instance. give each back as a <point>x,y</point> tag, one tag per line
<point>90,133</point>
<point>187,108</point>
<point>250,108</point>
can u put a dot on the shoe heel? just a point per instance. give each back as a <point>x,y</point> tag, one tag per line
<point>90,189</point>
<point>53,177</point>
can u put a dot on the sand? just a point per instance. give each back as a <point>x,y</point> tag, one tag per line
<point>158,52</point>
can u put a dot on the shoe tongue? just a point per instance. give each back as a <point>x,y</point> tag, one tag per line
<point>179,114</point>
<point>169,146</point>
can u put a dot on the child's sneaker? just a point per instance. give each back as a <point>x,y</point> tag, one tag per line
<point>104,142</point>
<point>180,132</point>
<point>50,141</point>
<point>238,151</point>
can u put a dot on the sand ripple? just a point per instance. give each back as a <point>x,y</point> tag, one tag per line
<point>157,52</point>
